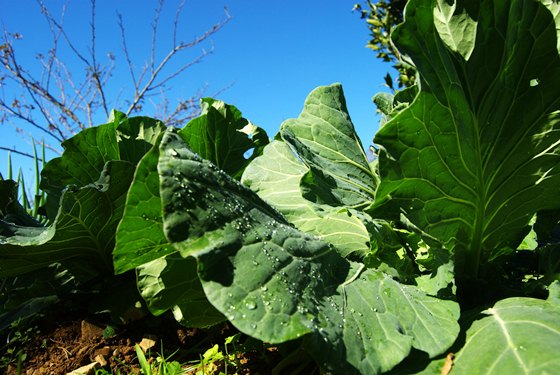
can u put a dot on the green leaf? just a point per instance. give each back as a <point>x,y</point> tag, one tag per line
<point>476,155</point>
<point>324,138</point>
<point>139,237</point>
<point>29,308</point>
<point>455,25</point>
<point>276,176</point>
<point>220,134</point>
<point>554,294</point>
<point>276,283</point>
<point>82,231</point>
<point>11,211</point>
<point>381,321</point>
<point>86,154</point>
<point>517,336</point>
<point>172,283</point>
<point>390,105</point>
<point>136,136</point>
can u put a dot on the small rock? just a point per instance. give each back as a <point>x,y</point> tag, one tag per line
<point>101,360</point>
<point>90,331</point>
<point>148,342</point>
<point>86,370</point>
<point>105,351</point>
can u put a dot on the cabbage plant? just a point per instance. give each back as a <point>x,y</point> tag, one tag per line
<point>443,253</point>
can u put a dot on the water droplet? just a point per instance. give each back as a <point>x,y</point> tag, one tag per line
<point>534,82</point>
<point>251,305</point>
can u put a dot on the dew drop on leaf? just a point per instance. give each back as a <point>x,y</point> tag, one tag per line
<point>251,305</point>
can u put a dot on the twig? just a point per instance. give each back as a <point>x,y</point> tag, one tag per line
<point>27,119</point>
<point>19,152</point>
<point>176,48</point>
<point>154,32</point>
<point>126,53</point>
<point>95,71</point>
<point>176,21</point>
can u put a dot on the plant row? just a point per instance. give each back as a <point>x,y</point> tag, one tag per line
<point>447,242</point>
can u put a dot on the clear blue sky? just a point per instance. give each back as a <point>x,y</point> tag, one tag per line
<point>274,53</point>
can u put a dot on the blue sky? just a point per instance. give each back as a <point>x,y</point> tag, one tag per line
<point>273,53</point>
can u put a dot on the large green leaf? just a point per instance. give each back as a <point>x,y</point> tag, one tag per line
<point>86,153</point>
<point>83,230</point>
<point>221,134</point>
<point>317,170</point>
<point>476,155</point>
<point>140,239</point>
<point>277,283</point>
<point>140,235</point>
<point>517,336</point>
<point>324,138</point>
<point>276,177</point>
<point>172,283</point>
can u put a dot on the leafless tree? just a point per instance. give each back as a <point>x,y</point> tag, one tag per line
<point>55,104</point>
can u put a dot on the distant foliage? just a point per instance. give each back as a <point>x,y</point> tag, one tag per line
<point>381,18</point>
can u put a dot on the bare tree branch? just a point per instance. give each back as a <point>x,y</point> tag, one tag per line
<point>126,53</point>
<point>95,71</point>
<point>176,48</point>
<point>176,21</point>
<point>60,100</point>
<point>154,32</point>
<point>19,152</point>
<point>27,119</point>
<point>197,60</point>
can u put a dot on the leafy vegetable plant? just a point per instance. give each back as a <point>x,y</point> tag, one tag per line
<point>448,243</point>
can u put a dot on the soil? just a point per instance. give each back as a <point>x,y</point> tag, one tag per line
<point>65,345</point>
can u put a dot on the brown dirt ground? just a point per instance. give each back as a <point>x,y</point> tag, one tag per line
<point>66,345</point>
